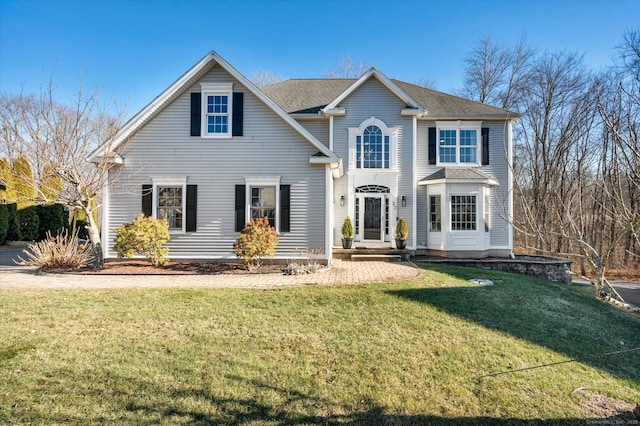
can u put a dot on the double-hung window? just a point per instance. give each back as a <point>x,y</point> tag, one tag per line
<point>167,199</point>
<point>217,109</point>
<point>170,206</point>
<point>459,143</point>
<point>263,203</point>
<point>263,199</point>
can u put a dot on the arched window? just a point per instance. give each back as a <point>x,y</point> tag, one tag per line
<point>372,149</point>
<point>372,145</point>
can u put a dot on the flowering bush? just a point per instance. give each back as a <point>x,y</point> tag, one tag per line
<point>145,236</point>
<point>257,240</point>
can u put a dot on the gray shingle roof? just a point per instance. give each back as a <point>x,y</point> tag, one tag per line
<point>442,104</point>
<point>298,96</point>
<point>306,95</point>
<point>456,173</point>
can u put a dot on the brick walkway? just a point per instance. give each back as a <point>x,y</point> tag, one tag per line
<point>341,273</point>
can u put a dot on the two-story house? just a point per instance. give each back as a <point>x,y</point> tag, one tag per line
<point>213,151</point>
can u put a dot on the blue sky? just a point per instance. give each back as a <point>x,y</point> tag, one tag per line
<point>132,50</point>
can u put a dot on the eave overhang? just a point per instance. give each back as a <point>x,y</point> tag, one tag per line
<point>483,117</point>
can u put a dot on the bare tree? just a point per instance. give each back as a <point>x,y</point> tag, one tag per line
<point>497,74</point>
<point>262,78</point>
<point>57,138</point>
<point>576,151</point>
<point>428,83</point>
<point>347,68</point>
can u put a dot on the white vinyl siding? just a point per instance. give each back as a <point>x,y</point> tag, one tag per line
<point>269,147</point>
<point>373,99</point>
<point>498,169</point>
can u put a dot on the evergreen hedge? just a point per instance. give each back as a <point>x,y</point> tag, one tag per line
<point>29,223</point>
<point>4,223</point>
<point>13,233</point>
<point>51,220</point>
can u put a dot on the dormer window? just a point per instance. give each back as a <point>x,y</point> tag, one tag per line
<point>459,143</point>
<point>217,100</point>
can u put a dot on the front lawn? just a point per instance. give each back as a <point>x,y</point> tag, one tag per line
<point>404,353</point>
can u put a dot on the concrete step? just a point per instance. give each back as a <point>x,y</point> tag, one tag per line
<point>377,257</point>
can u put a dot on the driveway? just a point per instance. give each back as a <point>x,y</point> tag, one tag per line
<point>10,253</point>
<point>630,291</point>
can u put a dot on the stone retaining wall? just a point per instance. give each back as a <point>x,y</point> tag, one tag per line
<point>551,268</point>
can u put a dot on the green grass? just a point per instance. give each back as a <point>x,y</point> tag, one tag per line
<point>404,353</point>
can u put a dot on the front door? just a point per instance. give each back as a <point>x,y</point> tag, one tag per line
<point>372,218</point>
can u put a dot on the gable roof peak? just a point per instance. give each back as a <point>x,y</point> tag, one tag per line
<point>179,86</point>
<point>386,81</point>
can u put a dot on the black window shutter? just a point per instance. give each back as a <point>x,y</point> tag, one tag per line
<point>196,99</point>
<point>285,208</point>
<point>238,113</point>
<point>192,207</point>
<point>240,207</point>
<point>485,146</point>
<point>147,200</point>
<point>432,145</point>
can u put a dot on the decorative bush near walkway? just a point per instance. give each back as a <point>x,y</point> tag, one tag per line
<point>257,240</point>
<point>59,251</point>
<point>145,236</point>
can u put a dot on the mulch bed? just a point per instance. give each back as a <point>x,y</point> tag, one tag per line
<point>141,267</point>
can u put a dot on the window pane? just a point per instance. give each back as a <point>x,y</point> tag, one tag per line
<point>372,147</point>
<point>468,138</point>
<point>263,203</point>
<point>447,138</point>
<point>435,222</point>
<point>217,123</point>
<point>463,212</point>
<point>386,152</point>
<point>357,218</point>
<point>358,152</point>
<point>170,206</point>
<point>468,146</point>
<point>447,143</point>
<point>468,155</point>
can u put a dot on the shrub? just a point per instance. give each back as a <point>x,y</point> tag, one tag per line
<point>347,228</point>
<point>402,232</point>
<point>29,223</point>
<point>4,223</point>
<point>307,263</point>
<point>51,220</point>
<point>257,240</point>
<point>145,236</point>
<point>57,252</point>
<point>13,233</point>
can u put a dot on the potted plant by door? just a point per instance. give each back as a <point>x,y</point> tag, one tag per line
<point>347,233</point>
<point>402,233</point>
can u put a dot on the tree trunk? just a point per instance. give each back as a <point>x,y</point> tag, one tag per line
<point>94,236</point>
